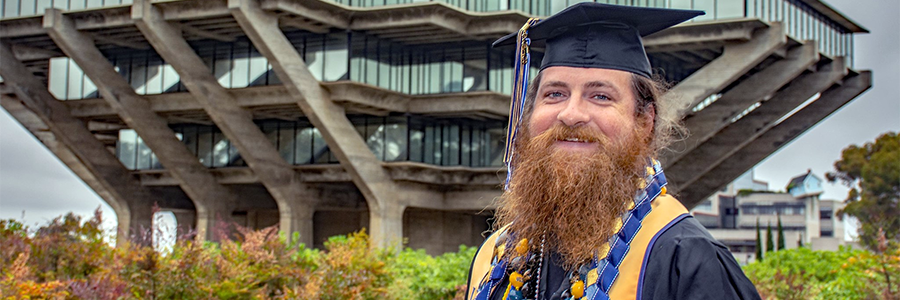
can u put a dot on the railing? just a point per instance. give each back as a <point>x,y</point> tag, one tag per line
<point>24,8</point>
<point>801,21</point>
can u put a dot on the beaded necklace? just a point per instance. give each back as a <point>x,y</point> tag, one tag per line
<point>591,281</point>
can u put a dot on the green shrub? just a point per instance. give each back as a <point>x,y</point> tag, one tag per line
<point>802,273</point>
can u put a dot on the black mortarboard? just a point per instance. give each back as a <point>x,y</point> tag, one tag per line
<point>596,35</point>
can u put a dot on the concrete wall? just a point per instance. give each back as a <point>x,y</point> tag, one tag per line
<point>328,223</point>
<point>442,231</point>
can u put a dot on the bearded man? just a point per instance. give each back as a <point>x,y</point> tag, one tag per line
<point>585,213</point>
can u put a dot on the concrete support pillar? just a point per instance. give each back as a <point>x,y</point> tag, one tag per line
<point>301,218</point>
<point>76,146</point>
<point>210,198</point>
<point>721,148</point>
<point>706,123</point>
<point>813,230</point>
<point>386,225</point>
<point>736,60</point>
<point>282,182</point>
<point>776,135</point>
<point>366,171</point>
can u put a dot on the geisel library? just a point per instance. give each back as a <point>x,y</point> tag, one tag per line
<point>327,117</point>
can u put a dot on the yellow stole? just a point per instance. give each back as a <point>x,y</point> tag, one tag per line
<point>665,210</point>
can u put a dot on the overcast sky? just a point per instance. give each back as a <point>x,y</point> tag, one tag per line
<point>34,181</point>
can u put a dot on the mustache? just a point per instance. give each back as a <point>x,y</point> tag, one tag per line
<point>562,132</point>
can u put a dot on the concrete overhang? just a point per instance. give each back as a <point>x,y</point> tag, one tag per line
<point>276,103</point>
<point>437,177</point>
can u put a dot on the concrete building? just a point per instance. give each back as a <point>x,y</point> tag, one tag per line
<point>804,217</point>
<point>326,117</point>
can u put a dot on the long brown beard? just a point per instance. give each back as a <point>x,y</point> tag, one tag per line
<point>571,199</point>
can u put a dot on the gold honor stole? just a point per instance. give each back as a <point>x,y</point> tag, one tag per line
<point>628,285</point>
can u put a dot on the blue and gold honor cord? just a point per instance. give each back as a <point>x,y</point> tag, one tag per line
<point>520,88</point>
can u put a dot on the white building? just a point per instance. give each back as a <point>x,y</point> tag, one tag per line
<point>731,215</point>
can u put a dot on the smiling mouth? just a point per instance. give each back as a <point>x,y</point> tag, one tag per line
<point>576,140</point>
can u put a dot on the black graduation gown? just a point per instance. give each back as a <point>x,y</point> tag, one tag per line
<point>685,262</point>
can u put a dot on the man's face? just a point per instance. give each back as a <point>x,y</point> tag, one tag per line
<point>600,99</point>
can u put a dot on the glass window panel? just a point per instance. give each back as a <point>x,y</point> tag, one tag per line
<point>303,149</point>
<point>430,140</point>
<point>220,150</point>
<point>270,129</point>
<point>320,148</point>
<point>416,138</point>
<point>204,145</point>
<point>222,64</point>
<point>75,79</point>
<point>730,9</point>
<point>395,139</point>
<point>286,141</point>
<point>126,148</point>
<point>189,138</point>
<point>259,68</point>
<point>155,82</point>
<point>143,155</point>
<point>96,3</point>
<point>58,77</point>
<point>336,57</point>
<point>451,144</point>
<point>371,66</point>
<point>497,145</point>
<point>240,69</point>
<point>315,55</point>
<point>26,7</point>
<point>138,73</point>
<point>374,136</point>
<point>466,146</point>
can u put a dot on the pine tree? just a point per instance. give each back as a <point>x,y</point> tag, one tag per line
<point>770,243</point>
<point>759,249</point>
<point>780,234</point>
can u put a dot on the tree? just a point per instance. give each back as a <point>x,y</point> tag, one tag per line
<point>759,249</point>
<point>780,234</point>
<point>872,172</point>
<point>770,245</point>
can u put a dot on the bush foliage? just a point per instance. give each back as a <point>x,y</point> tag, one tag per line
<point>802,273</point>
<point>71,259</point>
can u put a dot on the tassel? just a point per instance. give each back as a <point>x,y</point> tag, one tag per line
<point>520,88</point>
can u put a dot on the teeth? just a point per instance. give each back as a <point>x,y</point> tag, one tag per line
<point>573,140</point>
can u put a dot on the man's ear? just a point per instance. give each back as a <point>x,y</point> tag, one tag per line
<point>648,119</point>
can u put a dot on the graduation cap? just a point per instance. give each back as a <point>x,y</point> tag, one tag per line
<point>584,35</point>
<point>596,35</point>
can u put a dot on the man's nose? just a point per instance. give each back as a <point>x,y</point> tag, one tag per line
<point>573,114</point>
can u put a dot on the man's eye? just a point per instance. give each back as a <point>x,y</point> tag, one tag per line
<point>600,97</point>
<point>554,94</point>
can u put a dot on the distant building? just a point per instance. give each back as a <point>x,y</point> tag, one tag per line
<point>732,213</point>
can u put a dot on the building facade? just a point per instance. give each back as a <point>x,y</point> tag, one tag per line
<point>326,117</point>
<point>747,203</point>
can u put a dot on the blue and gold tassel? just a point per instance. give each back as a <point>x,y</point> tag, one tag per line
<point>520,88</point>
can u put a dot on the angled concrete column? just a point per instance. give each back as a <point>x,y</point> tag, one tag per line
<point>78,148</point>
<point>720,148</point>
<point>735,61</point>
<point>283,183</point>
<point>210,198</point>
<point>706,123</point>
<point>778,136</point>
<point>382,195</point>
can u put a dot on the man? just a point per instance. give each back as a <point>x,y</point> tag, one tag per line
<point>586,214</point>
